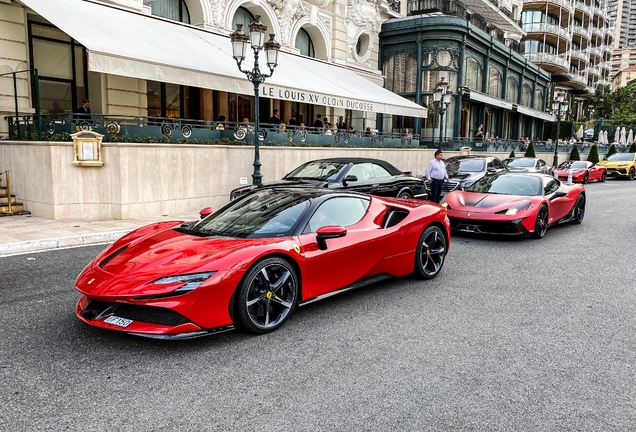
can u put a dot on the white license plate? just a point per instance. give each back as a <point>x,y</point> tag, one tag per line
<point>120,322</point>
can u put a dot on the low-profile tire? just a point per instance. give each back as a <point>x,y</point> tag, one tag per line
<point>631,173</point>
<point>266,296</point>
<point>405,194</point>
<point>578,213</point>
<point>604,177</point>
<point>586,178</point>
<point>541,222</point>
<point>430,253</point>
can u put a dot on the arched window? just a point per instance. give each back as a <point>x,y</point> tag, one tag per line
<point>512,89</point>
<point>526,95</point>
<point>243,16</point>
<point>473,74</point>
<point>538,99</point>
<point>401,73</point>
<point>494,83</point>
<point>175,10</point>
<point>305,44</point>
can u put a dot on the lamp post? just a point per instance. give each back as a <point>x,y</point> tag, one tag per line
<point>559,107</point>
<point>442,97</point>
<point>240,42</point>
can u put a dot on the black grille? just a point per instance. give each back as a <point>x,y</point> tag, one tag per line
<point>481,227</point>
<point>146,314</point>
<point>449,186</point>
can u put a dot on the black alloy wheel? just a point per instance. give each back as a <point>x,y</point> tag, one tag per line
<point>430,253</point>
<point>579,210</point>
<point>631,173</point>
<point>266,296</point>
<point>541,223</point>
<point>604,177</point>
<point>586,178</point>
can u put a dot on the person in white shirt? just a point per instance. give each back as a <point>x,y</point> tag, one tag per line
<point>436,175</point>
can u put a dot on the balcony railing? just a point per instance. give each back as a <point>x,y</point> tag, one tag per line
<point>512,44</point>
<point>578,54</point>
<point>547,28</point>
<point>563,3</point>
<point>582,31</point>
<point>583,7</point>
<point>497,34</point>
<point>117,128</point>
<point>479,22</point>
<point>547,58</point>
<point>447,7</point>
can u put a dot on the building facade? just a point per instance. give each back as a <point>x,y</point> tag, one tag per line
<point>172,59</point>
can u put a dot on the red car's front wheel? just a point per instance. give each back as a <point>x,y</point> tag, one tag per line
<point>266,296</point>
<point>541,223</point>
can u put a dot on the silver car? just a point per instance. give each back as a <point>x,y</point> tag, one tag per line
<point>527,164</point>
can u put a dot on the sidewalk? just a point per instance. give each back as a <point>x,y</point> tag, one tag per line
<point>23,234</point>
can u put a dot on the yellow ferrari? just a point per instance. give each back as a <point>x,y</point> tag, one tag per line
<point>621,165</point>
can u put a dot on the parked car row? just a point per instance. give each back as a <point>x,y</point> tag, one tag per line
<point>327,227</point>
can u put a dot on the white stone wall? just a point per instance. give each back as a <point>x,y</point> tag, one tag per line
<point>143,180</point>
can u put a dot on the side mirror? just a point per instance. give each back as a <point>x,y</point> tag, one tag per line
<point>349,178</point>
<point>205,212</point>
<point>491,170</point>
<point>329,232</point>
<point>558,194</point>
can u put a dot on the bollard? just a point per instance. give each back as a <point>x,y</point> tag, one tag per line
<point>569,176</point>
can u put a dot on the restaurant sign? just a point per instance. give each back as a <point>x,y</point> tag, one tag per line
<point>314,98</point>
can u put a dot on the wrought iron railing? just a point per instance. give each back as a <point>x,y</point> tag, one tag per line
<point>161,129</point>
<point>447,7</point>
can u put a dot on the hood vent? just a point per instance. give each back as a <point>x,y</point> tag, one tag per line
<point>112,256</point>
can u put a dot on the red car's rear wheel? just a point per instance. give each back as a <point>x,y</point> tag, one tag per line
<point>586,178</point>
<point>430,253</point>
<point>266,296</point>
<point>579,209</point>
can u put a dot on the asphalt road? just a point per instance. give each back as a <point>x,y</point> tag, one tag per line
<point>514,335</point>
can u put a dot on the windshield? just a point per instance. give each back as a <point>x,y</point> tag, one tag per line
<point>521,163</point>
<point>573,164</point>
<point>621,157</point>
<point>526,185</point>
<point>454,166</point>
<point>316,170</point>
<point>266,213</point>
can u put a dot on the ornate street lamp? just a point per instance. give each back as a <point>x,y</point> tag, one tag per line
<point>559,108</point>
<point>442,97</point>
<point>240,43</point>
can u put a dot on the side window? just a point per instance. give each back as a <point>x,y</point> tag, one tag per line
<point>497,164</point>
<point>550,186</point>
<point>362,171</point>
<point>540,163</point>
<point>380,172</point>
<point>491,164</point>
<point>343,211</point>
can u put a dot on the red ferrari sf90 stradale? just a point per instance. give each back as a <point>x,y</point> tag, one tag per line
<point>515,204</point>
<point>251,263</point>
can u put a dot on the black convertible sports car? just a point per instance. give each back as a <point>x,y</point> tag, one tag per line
<point>372,176</point>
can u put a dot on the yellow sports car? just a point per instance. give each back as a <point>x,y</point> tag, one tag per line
<point>620,165</point>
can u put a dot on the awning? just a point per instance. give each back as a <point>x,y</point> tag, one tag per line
<point>489,100</point>
<point>534,113</point>
<point>131,44</point>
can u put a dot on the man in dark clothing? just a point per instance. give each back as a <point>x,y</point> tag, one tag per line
<point>84,111</point>
<point>340,124</point>
<point>292,121</point>
<point>318,122</point>
<point>275,119</point>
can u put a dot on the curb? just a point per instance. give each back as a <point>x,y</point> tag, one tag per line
<point>60,243</point>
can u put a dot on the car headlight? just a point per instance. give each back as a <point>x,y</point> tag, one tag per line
<point>526,205</point>
<point>190,281</point>
<point>467,184</point>
<point>622,165</point>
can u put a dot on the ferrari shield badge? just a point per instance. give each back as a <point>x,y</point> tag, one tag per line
<point>296,248</point>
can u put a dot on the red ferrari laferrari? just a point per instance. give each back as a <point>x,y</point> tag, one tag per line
<point>515,204</point>
<point>251,263</point>
<point>582,171</point>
